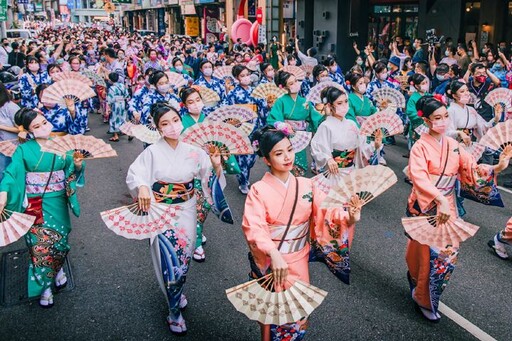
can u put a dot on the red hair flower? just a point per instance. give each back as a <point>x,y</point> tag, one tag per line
<point>440,98</point>
<point>420,113</point>
<point>182,105</point>
<point>347,82</point>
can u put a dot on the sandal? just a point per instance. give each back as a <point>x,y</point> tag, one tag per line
<point>183,302</point>
<point>46,300</point>
<point>199,255</point>
<point>113,139</point>
<point>177,327</point>
<point>61,280</point>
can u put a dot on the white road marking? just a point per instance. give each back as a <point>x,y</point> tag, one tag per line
<point>504,189</point>
<point>461,321</point>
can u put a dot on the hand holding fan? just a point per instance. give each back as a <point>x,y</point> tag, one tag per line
<point>8,147</point>
<point>69,88</point>
<point>386,96</point>
<point>259,302</point>
<point>427,230</point>
<point>132,223</point>
<point>218,137</point>
<point>500,97</point>
<point>210,98</point>
<point>72,75</point>
<point>367,183</point>
<point>83,147</point>
<point>388,122</point>
<point>13,226</point>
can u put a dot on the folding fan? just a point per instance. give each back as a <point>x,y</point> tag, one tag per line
<point>68,88</point>
<point>422,129</point>
<point>268,91</point>
<point>300,140</point>
<point>386,120</point>
<point>218,137</point>
<point>426,230</point>
<point>390,95</point>
<point>308,69</point>
<point>223,72</point>
<point>147,133</point>
<point>85,147</point>
<point>475,149</point>
<point>127,127</point>
<point>132,223</point>
<point>498,137</point>
<point>237,116</point>
<point>361,119</point>
<point>257,300</point>
<point>13,226</point>
<point>315,92</point>
<point>95,78</point>
<point>72,75</point>
<point>502,96</point>
<point>210,98</point>
<point>326,180</point>
<point>253,66</point>
<point>367,183</point>
<point>8,147</point>
<point>294,70</point>
<point>176,79</point>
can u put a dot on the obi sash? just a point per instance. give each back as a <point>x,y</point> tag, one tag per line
<point>297,125</point>
<point>58,133</point>
<point>170,193</point>
<point>345,158</point>
<point>35,182</point>
<point>447,184</point>
<point>296,238</point>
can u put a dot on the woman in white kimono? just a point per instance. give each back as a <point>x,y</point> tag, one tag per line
<point>466,124</point>
<point>150,179</point>
<point>337,145</point>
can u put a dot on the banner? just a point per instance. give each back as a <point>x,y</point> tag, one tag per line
<point>192,26</point>
<point>3,10</point>
<point>211,23</point>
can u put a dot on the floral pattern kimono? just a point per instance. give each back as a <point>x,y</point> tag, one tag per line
<point>430,268</point>
<point>152,97</point>
<point>242,96</point>
<point>171,251</point>
<point>28,84</point>
<point>116,99</point>
<point>135,105</point>
<point>24,179</point>
<point>267,210</point>
<point>302,116</point>
<point>216,85</point>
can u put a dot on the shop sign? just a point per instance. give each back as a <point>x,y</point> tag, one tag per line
<point>192,27</point>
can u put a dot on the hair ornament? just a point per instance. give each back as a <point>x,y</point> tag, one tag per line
<point>283,127</point>
<point>324,100</point>
<point>420,113</point>
<point>440,98</point>
<point>256,145</point>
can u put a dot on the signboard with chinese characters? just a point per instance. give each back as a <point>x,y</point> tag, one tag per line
<point>192,27</point>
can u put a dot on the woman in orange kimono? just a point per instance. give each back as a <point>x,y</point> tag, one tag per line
<point>435,163</point>
<point>281,202</point>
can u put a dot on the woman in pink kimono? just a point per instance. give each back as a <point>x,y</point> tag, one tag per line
<point>436,162</point>
<point>276,222</point>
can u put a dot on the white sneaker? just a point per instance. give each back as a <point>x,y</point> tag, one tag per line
<point>244,189</point>
<point>46,300</point>
<point>183,301</point>
<point>178,326</point>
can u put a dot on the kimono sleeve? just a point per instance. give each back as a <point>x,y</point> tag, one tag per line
<point>276,113</point>
<point>315,118</point>
<point>139,173</point>
<point>367,152</point>
<point>420,177</point>
<point>13,181</point>
<point>111,94</point>
<point>254,224</point>
<point>321,146</point>
<point>412,113</point>
<point>206,172</point>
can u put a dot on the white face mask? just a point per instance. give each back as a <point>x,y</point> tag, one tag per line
<point>179,68</point>
<point>44,131</point>
<point>383,76</point>
<point>440,126</point>
<point>208,72</point>
<point>361,88</point>
<point>324,79</point>
<point>245,81</point>
<point>173,130</point>
<point>295,88</point>
<point>464,99</point>
<point>195,108</point>
<point>164,88</point>
<point>424,88</point>
<point>341,110</point>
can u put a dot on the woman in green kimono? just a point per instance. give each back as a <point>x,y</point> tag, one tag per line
<point>42,184</point>
<point>421,85</point>
<point>193,113</point>
<point>296,112</point>
<point>358,104</point>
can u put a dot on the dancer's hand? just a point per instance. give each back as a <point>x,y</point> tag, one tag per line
<point>333,166</point>
<point>378,138</point>
<point>3,201</point>
<point>465,138</point>
<point>354,209</point>
<point>443,209</point>
<point>144,198</point>
<point>279,268</point>
<point>505,156</point>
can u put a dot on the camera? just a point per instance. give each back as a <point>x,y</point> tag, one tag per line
<point>432,38</point>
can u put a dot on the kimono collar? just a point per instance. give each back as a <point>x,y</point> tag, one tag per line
<point>433,141</point>
<point>285,184</point>
<point>277,185</point>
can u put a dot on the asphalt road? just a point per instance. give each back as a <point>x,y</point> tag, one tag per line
<point>117,297</point>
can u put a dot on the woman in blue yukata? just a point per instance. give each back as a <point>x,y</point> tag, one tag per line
<point>29,82</point>
<point>267,72</point>
<point>82,108</point>
<point>63,119</point>
<point>135,104</point>
<point>162,92</point>
<point>206,79</point>
<point>242,95</point>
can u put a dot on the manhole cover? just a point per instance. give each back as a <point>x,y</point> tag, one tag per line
<point>13,277</point>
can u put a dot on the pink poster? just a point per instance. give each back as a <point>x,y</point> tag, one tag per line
<point>211,23</point>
